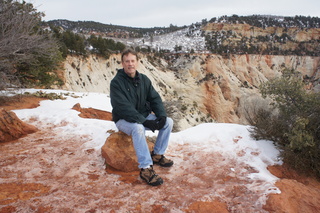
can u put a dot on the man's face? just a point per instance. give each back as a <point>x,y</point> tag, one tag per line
<point>129,63</point>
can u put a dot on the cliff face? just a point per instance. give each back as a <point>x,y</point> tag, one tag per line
<point>196,88</point>
<point>226,38</point>
<point>248,31</point>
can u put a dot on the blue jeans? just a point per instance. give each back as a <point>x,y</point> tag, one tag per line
<point>137,131</point>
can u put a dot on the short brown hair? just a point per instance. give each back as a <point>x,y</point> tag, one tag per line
<point>127,52</point>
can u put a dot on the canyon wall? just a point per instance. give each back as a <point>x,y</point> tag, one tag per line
<point>196,88</point>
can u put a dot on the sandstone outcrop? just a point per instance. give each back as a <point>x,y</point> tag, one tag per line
<point>119,152</point>
<point>299,193</point>
<point>11,127</point>
<point>92,113</point>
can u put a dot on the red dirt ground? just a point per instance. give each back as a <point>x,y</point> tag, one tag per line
<point>298,192</point>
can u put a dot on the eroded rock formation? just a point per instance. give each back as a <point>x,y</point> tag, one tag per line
<point>11,127</point>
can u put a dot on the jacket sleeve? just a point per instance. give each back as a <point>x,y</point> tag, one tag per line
<point>121,106</point>
<point>155,101</point>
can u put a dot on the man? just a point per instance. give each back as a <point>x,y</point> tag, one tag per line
<point>138,107</point>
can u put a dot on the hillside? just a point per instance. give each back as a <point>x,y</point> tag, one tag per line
<point>256,34</point>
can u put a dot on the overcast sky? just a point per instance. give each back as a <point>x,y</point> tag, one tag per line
<point>162,13</point>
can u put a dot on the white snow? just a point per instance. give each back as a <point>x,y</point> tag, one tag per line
<point>206,147</point>
<point>188,39</point>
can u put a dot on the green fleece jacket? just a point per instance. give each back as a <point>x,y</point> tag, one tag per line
<point>133,99</point>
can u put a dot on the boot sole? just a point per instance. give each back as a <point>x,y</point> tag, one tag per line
<point>163,165</point>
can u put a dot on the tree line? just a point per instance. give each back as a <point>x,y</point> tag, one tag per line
<point>87,27</point>
<point>73,43</point>
<point>264,21</point>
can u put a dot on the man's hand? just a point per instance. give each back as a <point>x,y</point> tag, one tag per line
<point>161,122</point>
<point>151,124</point>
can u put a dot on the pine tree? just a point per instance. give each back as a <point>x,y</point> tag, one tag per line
<point>293,121</point>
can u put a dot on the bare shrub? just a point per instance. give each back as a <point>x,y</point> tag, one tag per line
<point>23,43</point>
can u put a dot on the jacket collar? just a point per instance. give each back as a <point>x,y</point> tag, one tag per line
<point>137,76</point>
<point>135,80</point>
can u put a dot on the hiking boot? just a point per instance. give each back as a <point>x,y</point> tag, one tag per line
<point>150,176</point>
<point>161,160</point>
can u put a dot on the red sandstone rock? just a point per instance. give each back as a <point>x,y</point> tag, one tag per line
<point>93,113</point>
<point>119,152</point>
<point>299,193</point>
<point>12,128</point>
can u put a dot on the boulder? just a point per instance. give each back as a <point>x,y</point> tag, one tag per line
<point>119,152</point>
<point>11,127</point>
<point>92,113</point>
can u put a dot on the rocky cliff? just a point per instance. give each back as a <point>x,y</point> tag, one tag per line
<point>196,88</point>
<point>246,30</point>
<point>226,38</point>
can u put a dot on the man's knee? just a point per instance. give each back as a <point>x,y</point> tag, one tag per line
<point>138,129</point>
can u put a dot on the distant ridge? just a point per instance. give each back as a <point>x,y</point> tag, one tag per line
<point>91,26</point>
<point>255,34</point>
<point>262,21</point>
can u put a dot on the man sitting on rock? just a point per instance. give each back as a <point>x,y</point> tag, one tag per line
<point>138,107</point>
